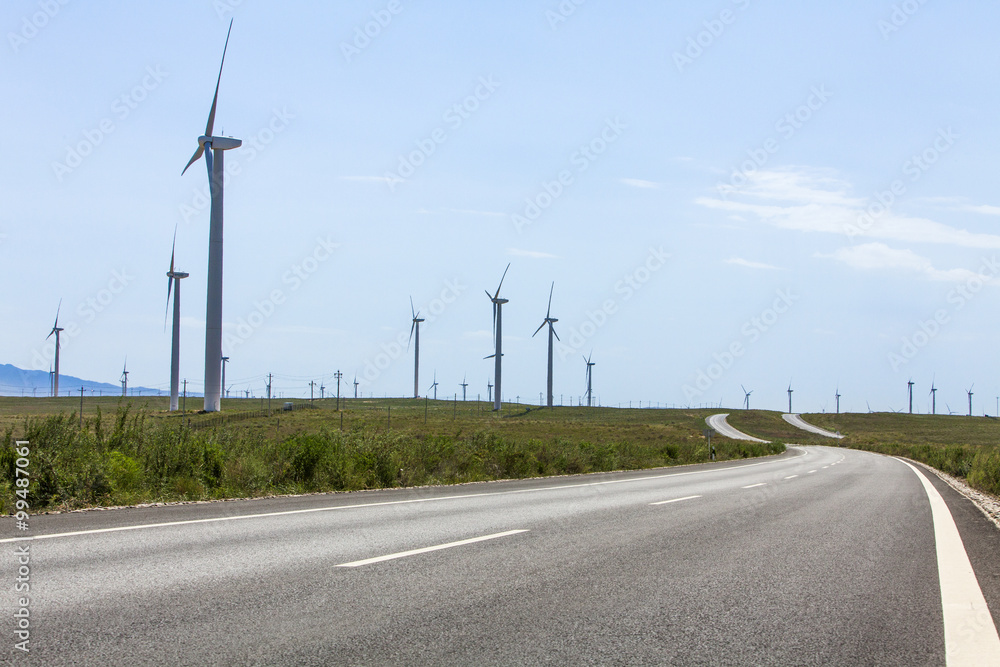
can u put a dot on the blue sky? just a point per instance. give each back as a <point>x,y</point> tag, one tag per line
<point>725,194</point>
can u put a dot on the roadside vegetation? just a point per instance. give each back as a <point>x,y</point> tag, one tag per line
<point>126,453</point>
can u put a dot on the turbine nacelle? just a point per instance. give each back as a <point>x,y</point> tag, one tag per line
<point>219,143</point>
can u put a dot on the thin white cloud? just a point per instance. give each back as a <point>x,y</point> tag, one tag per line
<point>878,256</point>
<point>533,254</point>
<point>813,200</point>
<point>985,209</point>
<point>738,261</point>
<point>639,183</point>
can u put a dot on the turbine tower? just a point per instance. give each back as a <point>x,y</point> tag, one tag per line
<point>497,337</point>
<point>434,386</point>
<point>356,383</point>
<point>969,391</point>
<point>214,148</point>
<point>124,378</point>
<point>55,330</point>
<point>549,320</point>
<point>933,398</point>
<point>464,386</point>
<point>414,328</point>
<point>909,389</point>
<point>837,396</point>
<point>590,377</point>
<point>174,283</point>
<point>790,390</point>
<point>746,397</point>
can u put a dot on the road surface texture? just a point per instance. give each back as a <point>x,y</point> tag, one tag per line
<point>798,422</point>
<point>819,556</point>
<point>719,423</point>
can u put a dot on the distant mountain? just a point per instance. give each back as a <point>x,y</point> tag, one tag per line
<point>16,381</point>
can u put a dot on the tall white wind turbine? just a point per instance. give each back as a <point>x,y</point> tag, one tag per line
<point>590,377</point>
<point>213,148</point>
<point>549,320</point>
<point>497,338</point>
<point>55,330</point>
<point>414,329</point>
<point>174,283</point>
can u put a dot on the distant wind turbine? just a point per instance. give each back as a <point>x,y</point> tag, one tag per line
<point>124,378</point>
<point>434,386</point>
<point>790,390</point>
<point>56,329</point>
<point>909,389</point>
<point>933,398</point>
<point>837,396</point>
<point>214,148</point>
<point>464,386</point>
<point>969,391</point>
<point>746,397</point>
<point>415,328</point>
<point>174,282</point>
<point>497,337</point>
<point>590,377</point>
<point>549,320</point>
<point>356,383</point>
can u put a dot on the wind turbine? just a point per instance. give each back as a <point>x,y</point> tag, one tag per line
<point>356,383</point>
<point>416,349</point>
<point>837,396</point>
<point>746,397</point>
<point>933,398</point>
<point>969,392</point>
<point>434,386</point>
<point>489,391</point>
<point>549,320</point>
<point>55,330</point>
<point>214,148</point>
<point>174,282</point>
<point>497,337</point>
<point>909,388</point>
<point>464,386</point>
<point>790,390</point>
<point>124,378</point>
<point>590,377</point>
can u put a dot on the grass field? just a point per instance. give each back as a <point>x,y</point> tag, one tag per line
<point>134,451</point>
<point>128,452</point>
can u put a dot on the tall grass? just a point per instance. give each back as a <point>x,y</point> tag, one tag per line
<point>129,458</point>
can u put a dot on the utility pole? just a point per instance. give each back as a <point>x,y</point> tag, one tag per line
<point>339,375</point>
<point>268,394</point>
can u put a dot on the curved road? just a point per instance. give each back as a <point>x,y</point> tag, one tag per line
<point>818,556</point>
<point>798,422</point>
<point>719,423</point>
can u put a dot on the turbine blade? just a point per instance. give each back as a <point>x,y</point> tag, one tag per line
<point>166,311</point>
<point>412,310</point>
<point>194,158</point>
<point>412,327</point>
<point>538,329</point>
<point>555,334</point>
<point>215,98</point>
<point>491,356</point>
<point>548,312</point>
<point>501,280</point>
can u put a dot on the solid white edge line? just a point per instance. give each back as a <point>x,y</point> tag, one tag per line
<point>674,500</point>
<point>423,550</point>
<point>95,531</point>
<point>754,486</point>
<point>970,636</point>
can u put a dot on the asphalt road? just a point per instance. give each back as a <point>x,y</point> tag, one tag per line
<point>719,423</point>
<point>798,422</point>
<point>820,556</point>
